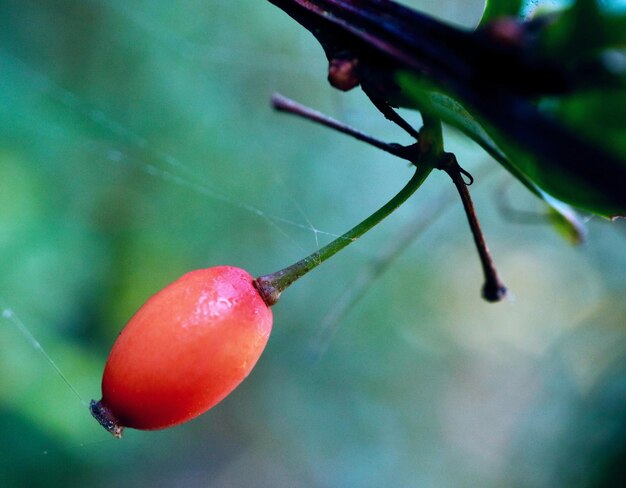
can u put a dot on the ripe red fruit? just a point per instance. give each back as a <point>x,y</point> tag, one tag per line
<point>184,350</point>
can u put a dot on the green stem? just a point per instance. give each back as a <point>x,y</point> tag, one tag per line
<point>272,285</point>
<point>431,139</point>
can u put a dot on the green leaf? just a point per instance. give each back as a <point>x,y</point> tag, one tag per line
<point>567,224</point>
<point>598,115</point>
<point>583,32</point>
<point>495,9</point>
<point>453,113</point>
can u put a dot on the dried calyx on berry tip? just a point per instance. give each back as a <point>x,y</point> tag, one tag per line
<point>106,418</point>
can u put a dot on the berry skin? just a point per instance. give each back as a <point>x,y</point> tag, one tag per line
<point>184,350</point>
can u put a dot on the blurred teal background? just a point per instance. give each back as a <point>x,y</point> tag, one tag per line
<point>137,143</point>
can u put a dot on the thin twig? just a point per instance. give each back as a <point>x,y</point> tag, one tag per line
<point>493,289</point>
<point>284,104</point>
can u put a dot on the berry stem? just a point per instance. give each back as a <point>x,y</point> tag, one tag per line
<point>272,285</point>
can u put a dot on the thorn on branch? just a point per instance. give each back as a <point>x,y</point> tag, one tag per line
<point>390,114</point>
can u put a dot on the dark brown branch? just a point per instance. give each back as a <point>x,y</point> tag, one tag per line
<point>498,83</point>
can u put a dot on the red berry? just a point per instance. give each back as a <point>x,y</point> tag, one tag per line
<point>184,350</point>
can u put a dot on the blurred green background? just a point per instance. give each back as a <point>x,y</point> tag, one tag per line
<point>137,143</point>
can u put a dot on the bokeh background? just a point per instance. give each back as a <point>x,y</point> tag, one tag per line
<point>137,143</point>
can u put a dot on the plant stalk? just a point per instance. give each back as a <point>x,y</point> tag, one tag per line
<point>272,285</point>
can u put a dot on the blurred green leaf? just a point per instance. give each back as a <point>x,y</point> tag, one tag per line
<point>598,115</point>
<point>500,8</point>
<point>454,114</point>
<point>581,47</point>
<point>583,30</point>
